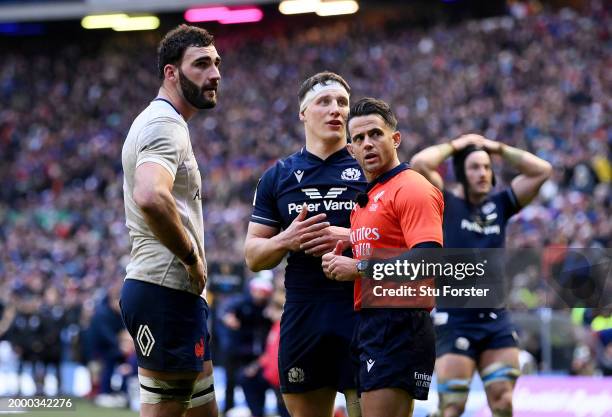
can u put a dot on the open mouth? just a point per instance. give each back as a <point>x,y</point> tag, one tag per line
<point>370,156</point>
<point>335,123</point>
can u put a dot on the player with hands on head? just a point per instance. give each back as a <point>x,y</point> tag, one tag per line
<point>476,216</point>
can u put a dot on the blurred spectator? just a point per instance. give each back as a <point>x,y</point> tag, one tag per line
<point>104,329</point>
<point>249,326</point>
<point>262,374</point>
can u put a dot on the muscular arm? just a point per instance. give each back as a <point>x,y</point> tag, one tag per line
<point>153,195</point>
<point>534,172</point>
<point>429,159</point>
<point>263,249</point>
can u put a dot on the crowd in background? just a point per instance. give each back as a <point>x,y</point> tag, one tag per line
<point>541,82</point>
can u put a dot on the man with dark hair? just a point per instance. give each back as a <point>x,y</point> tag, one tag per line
<point>476,217</point>
<point>163,301</point>
<point>401,211</point>
<point>322,179</point>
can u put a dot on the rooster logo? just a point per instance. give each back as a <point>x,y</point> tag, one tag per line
<point>199,348</point>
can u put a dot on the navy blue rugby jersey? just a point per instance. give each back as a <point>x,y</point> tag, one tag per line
<point>326,186</point>
<point>477,226</point>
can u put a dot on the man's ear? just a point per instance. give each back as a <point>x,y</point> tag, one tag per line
<point>397,139</point>
<point>349,148</point>
<point>301,116</point>
<point>170,72</point>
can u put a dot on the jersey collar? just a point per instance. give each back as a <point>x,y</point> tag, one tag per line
<point>381,179</point>
<point>168,101</point>
<point>340,154</point>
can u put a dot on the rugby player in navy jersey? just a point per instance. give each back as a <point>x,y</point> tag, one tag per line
<point>301,209</point>
<point>476,217</point>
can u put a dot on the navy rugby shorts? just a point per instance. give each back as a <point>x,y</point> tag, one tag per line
<point>168,326</point>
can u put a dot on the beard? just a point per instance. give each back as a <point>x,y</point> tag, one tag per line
<point>194,94</point>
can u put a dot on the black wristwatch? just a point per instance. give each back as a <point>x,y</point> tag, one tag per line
<point>362,267</point>
<point>191,257</point>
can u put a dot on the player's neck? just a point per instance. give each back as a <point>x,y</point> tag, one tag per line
<point>371,176</point>
<point>322,148</point>
<point>184,108</point>
<point>472,198</point>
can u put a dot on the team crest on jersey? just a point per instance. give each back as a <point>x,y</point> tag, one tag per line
<point>351,174</point>
<point>488,207</point>
<point>296,375</point>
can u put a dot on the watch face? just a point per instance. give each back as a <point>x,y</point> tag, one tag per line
<point>362,265</point>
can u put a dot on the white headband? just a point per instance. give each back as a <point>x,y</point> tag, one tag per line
<point>318,89</point>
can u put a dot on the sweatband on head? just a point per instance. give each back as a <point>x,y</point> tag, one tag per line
<point>318,89</point>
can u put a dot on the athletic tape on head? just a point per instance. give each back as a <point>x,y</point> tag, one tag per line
<point>318,89</point>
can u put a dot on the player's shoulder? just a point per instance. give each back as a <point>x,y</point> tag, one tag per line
<point>411,180</point>
<point>280,168</point>
<point>161,115</point>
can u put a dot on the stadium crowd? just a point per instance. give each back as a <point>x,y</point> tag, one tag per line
<point>539,82</point>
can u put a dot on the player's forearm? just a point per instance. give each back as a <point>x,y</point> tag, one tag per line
<point>162,217</point>
<point>264,253</point>
<point>430,158</point>
<point>526,163</point>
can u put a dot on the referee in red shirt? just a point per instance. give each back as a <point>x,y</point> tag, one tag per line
<point>401,210</point>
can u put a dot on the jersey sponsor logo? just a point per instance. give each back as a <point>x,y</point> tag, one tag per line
<point>199,348</point>
<point>493,229</point>
<point>314,194</point>
<point>422,380</point>
<point>370,363</point>
<point>363,249</point>
<point>145,339</point>
<point>328,203</point>
<point>298,175</point>
<point>197,195</point>
<point>350,174</point>
<point>364,233</point>
<point>296,375</point>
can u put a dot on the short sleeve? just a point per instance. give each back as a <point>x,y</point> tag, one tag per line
<point>420,208</point>
<point>508,202</point>
<point>164,142</point>
<point>265,209</point>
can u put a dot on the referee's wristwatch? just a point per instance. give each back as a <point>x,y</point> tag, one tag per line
<point>362,267</point>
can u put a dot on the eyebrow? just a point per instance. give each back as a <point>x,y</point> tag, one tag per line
<point>331,95</point>
<point>369,132</point>
<point>207,58</point>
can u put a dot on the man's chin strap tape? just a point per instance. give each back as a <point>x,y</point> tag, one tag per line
<point>499,372</point>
